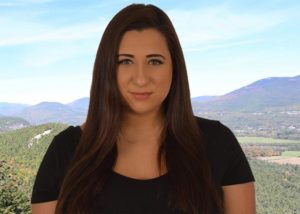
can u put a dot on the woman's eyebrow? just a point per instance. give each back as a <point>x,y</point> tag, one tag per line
<point>155,55</point>
<point>148,56</point>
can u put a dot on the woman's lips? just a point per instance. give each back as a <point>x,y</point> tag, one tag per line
<point>141,95</point>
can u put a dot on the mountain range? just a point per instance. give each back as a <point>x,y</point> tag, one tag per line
<point>270,94</point>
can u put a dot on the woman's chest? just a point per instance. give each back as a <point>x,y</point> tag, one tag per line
<point>126,195</point>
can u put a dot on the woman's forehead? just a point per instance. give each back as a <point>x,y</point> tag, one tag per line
<point>148,40</point>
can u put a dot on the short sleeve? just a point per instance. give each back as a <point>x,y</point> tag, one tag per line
<point>46,185</point>
<point>54,165</point>
<point>238,169</point>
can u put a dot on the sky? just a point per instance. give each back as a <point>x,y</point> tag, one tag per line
<point>48,47</point>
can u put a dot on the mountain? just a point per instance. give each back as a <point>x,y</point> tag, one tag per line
<point>46,112</point>
<point>8,109</point>
<point>262,95</point>
<point>203,98</point>
<point>276,94</point>
<point>12,123</point>
<point>80,104</point>
<point>72,113</point>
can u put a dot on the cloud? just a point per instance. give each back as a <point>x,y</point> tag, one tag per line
<point>205,47</point>
<point>53,52</point>
<point>195,27</point>
<point>15,3</point>
<point>42,42</point>
<point>27,33</point>
<point>218,24</point>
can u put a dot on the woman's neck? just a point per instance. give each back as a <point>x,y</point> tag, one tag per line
<point>140,129</point>
<point>138,145</point>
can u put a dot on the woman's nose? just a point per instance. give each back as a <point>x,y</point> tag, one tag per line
<point>140,76</point>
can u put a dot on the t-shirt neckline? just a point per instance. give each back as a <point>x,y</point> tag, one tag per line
<point>130,178</point>
<point>137,179</point>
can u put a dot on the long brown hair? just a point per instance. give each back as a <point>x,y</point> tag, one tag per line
<point>188,170</point>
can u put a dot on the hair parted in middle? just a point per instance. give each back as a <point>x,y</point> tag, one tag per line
<point>192,190</point>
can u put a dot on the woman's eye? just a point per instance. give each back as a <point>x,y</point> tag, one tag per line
<point>155,62</point>
<point>124,62</point>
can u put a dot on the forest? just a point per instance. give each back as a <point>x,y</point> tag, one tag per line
<point>277,186</point>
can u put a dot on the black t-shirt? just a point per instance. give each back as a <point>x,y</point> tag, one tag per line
<point>123,194</point>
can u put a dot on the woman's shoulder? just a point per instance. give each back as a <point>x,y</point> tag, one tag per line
<point>207,124</point>
<point>54,165</point>
<point>69,132</point>
<point>63,145</point>
<point>216,133</point>
<point>211,129</point>
<point>228,162</point>
<point>69,137</point>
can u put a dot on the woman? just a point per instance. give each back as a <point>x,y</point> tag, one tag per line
<point>141,150</point>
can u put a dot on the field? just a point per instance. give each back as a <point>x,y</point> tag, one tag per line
<point>263,140</point>
<point>279,151</point>
<point>291,154</point>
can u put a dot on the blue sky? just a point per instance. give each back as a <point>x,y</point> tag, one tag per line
<point>48,47</point>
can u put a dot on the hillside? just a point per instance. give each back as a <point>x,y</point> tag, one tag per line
<point>22,151</point>
<point>282,124</point>
<point>269,107</point>
<point>266,94</point>
<point>15,144</point>
<point>203,98</point>
<point>20,156</point>
<point>12,123</point>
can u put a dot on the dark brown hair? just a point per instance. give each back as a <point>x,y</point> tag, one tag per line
<point>192,190</point>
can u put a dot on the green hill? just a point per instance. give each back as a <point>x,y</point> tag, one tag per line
<point>20,157</point>
<point>12,123</point>
<point>271,124</point>
<point>277,186</point>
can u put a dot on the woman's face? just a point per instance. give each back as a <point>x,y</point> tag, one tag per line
<point>144,71</point>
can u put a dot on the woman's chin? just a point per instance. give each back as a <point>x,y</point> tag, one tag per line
<point>143,111</point>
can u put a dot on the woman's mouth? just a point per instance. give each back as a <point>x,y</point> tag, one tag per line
<point>141,95</point>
